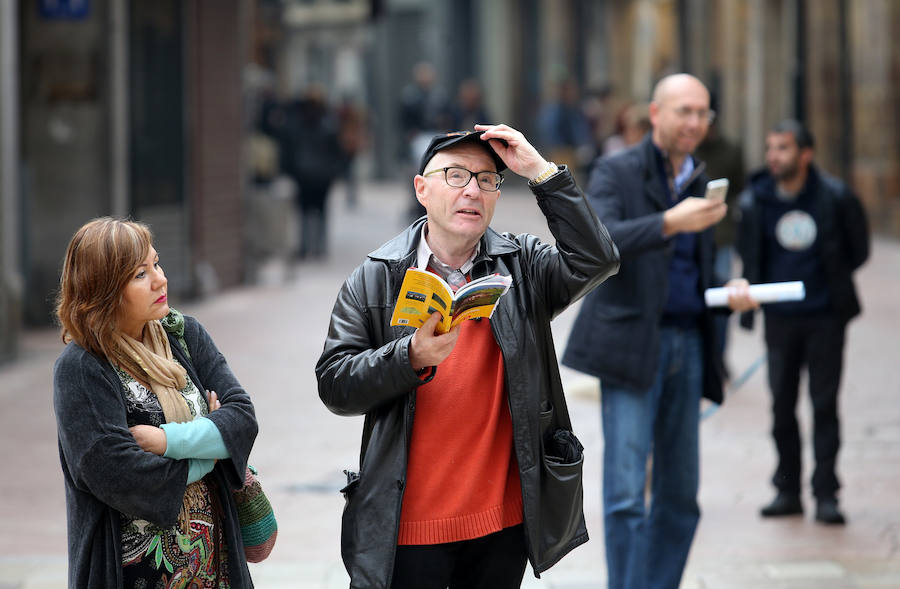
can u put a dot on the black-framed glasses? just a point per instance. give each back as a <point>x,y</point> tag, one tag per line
<point>459,177</point>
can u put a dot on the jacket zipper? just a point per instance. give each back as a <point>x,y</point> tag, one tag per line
<point>512,418</point>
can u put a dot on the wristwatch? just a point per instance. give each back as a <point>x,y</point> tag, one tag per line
<point>545,175</point>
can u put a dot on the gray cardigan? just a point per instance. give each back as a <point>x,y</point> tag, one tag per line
<point>106,473</point>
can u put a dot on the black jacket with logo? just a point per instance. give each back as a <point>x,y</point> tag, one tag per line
<point>841,225</point>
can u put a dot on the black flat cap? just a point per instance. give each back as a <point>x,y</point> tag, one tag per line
<point>445,140</point>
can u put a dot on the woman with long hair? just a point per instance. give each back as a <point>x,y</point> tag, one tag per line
<point>150,454</point>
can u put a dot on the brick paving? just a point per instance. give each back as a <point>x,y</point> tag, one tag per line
<point>272,334</point>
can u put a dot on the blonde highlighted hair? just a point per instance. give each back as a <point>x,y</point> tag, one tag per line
<point>100,260</point>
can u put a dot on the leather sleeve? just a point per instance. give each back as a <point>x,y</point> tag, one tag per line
<point>584,255</point>
<point>363,364</point>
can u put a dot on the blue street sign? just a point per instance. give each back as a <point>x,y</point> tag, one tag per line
<point>64,9</point>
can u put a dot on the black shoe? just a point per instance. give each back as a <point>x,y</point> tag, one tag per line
<point>827,512</point>
<point>783,504</point>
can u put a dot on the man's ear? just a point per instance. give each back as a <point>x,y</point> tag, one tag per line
<point>806,156</point>
<point>419,185</point>
<point>653,112</point>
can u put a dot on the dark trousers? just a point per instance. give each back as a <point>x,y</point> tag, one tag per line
<point>313,216</point>
<point>816,342</point>
<point>495,561</point>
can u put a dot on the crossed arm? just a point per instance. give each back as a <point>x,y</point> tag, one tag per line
<point>198,441</point>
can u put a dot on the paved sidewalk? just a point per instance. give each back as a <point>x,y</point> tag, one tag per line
<point>272,335</point>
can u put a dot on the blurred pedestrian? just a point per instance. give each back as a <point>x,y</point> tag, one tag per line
<point>424,112</point>
<point>798,223</point>
<point>352,137</point>
<point>468,463</point>
<point>314,160</point>
<point>632,123</point>
<point>599,109</point>
<point>263,141</point>
<point>149,461</point>
<point>469,109</point>
<point>724,159</point>
<point>648,336</point>
<point>564,130</point>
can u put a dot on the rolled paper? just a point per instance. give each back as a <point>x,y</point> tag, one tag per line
<point>771,292</point>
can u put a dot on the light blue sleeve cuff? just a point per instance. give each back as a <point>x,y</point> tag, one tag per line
<point>199,438</point>
<point>199,468</point>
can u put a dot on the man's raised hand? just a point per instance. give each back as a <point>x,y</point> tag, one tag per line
<point>518,154</point>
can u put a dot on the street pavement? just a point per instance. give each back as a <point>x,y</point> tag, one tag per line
<point>272,334</point>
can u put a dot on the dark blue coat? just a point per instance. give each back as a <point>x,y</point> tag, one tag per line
<point>617,332</point>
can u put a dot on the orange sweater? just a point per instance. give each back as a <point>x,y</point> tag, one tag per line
<point>462,476</point>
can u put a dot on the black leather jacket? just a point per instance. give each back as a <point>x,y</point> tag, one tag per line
<point>365,370</point>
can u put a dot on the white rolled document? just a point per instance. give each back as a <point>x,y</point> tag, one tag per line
<point>771,292</point>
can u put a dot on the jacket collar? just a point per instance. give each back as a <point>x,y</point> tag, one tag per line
<point>651,163</point>
<point>763,182</point>
<point>405,245</point>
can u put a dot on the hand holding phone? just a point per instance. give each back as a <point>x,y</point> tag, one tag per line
<point>717,189</point>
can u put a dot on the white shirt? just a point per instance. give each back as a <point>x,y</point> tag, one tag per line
<point>424,253</point>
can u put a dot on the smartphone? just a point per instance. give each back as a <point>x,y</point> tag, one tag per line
<point>717,189</point>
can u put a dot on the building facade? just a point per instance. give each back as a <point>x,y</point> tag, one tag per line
<point>830,63</point>
<point>127,109</point>
<point>140,108</point>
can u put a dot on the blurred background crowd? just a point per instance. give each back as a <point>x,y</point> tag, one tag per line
<point>216,121</point>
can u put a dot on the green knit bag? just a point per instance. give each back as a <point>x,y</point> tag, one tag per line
<point>256,517</point>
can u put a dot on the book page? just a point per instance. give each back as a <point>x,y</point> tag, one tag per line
<point>479,298</point>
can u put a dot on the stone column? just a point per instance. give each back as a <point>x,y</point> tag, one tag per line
<point>118,119</point>
<point>10,215</point>
<point>823,82</point>
<point>557,45</point>
<point>698,36</point>
<point>732,46</point>
<point>754,85</point>
<point>498,62</point>
<point>874,28</point>
<point>645,40</point>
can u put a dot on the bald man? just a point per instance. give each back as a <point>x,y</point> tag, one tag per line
<point>648,336</point>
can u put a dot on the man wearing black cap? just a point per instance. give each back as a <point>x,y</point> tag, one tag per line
<point>468,465</point>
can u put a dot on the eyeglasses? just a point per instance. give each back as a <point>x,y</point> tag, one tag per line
<point>704,114</point>
<point>459,177</point>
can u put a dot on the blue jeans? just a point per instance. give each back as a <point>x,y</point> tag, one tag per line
<point>647,545</point>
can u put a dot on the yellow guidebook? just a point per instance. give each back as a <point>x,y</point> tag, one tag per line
<point>422,293</point>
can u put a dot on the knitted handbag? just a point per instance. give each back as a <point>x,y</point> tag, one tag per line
<point>258,526</point>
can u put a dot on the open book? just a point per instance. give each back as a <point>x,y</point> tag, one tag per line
<point>422,293</point>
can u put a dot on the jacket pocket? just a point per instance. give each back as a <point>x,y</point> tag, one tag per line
<point>562,493</point>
